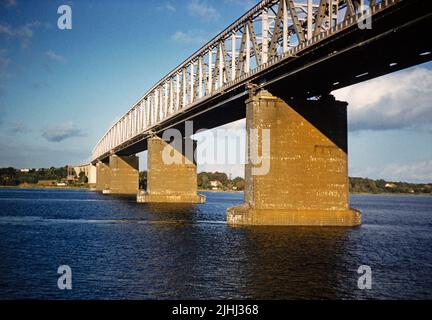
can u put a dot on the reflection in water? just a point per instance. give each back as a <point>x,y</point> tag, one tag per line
<point>119,249</point>
<point>172,208</point>
<point>308,256</point>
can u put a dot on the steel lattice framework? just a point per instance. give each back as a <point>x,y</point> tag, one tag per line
<point>273,30</point>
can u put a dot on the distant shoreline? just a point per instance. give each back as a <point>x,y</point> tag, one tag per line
<point>43,187</point>
<point>203,190</point>
<point>390,194</point>
<point>227,191</point>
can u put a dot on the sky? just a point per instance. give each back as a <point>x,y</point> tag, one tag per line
<point>60,90</point>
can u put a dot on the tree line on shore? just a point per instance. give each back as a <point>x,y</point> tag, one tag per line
<point>208,181</point>
<point>221,181</point>
<point>14,177</point>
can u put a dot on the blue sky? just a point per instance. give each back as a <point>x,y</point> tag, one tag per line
<point>61,89</point>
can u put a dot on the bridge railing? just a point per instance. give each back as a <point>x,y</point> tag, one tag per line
<point>270,30</point>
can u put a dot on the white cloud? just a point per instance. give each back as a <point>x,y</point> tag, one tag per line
<point>30,155</point>
<point>170,7</point>
<point>4,29</point>
<point>395,101</point>
<point>5,75</point>
<point>167,6</point>
<point>202,10</point>
<point>24,32</point>
<point>4,60</point>
<point>62,132</point>
<point>9,3</point>
<point>54,56</point>
<point>19,127</point>
<point>420,172</point>
<point>190,37</point>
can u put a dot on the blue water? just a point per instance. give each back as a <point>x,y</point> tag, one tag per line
<point>119,249</point>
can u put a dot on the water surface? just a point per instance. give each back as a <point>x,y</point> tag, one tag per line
<point>119,249</point>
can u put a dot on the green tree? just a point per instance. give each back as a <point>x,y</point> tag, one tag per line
<point>82,177</point>
<point>239,183</point>
<point>203,180</point>
<point>143,180</point>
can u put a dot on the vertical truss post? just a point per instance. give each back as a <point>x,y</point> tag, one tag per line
<point>210,70</point>
<point>141,117</point>
<point>171,96</point>
<point>132,124</point>
<point>133,116</point>
<point>165,108</point>
<point>160,101</point>
<point>264,35</point>
<point>221,62</point>
<point>138,118</point>
<point>123,128</point>
<point>177,90</point>
<point>192,76</point>
<point>200,77</point>
<point>135,121</point>
<point>285,27</point>
<point>233,55</point>
<point>184,90</point>
<point>247,62</point>
<point>309,18</point>
<point>156,105</point>
<point>147,112</point>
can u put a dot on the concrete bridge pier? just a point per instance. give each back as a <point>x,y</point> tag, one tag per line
<point>171,174</point>
<point>103,176</point>
<point>307,178</point>
<point>119,176</point>
<point>124,174</point>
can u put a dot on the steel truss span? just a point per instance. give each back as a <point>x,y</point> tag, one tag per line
<point>271,34</point>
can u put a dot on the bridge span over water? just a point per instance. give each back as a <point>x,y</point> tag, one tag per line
<point>276,67</point>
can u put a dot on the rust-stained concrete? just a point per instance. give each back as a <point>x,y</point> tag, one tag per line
<point>307,183</point>
<point>103,176</point>
<point>175,182</point>
<point>124,177</point>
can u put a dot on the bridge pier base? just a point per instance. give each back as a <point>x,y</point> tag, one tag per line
<point>307,181</point>
<point>169,182</point>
